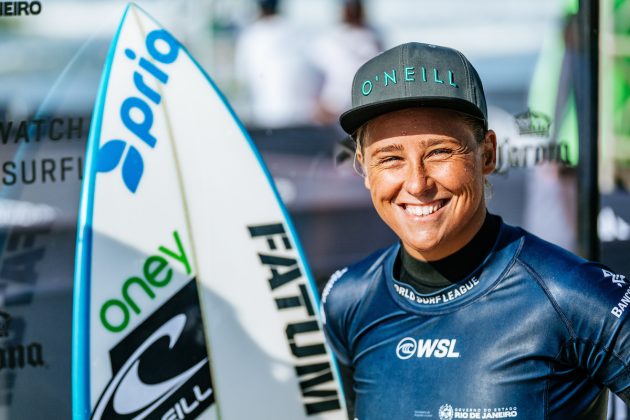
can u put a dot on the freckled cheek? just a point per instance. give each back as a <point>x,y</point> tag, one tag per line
<point>385,184</point>
<point>456,179</point>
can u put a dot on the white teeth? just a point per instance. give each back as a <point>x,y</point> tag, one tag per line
<point>423,210</point>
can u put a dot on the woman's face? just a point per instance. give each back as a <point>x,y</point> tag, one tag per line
<point>425,171</point>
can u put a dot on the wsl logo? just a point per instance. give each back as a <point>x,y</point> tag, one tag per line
<point>439,348</point>
<point>136,111</point>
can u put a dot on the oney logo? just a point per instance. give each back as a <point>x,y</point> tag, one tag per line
<point>135,112</point>
<point>408,347</point>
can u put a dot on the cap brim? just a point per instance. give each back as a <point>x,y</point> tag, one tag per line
<point>353,119</point>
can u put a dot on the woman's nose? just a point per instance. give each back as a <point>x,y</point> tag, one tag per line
<point>418,180</point>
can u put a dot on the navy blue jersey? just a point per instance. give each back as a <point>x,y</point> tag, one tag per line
<point>534,333</point>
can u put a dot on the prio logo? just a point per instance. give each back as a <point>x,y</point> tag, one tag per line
<point>445,412</point>
<point>407,347</point>
<point>135,112</point>
<point>19,8</point>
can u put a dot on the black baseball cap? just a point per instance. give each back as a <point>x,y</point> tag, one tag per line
<point>415,75</point>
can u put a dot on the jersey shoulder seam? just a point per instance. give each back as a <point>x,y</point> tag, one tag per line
<point>573,336</point>
<point>550,297</point>
<point>354,271</point>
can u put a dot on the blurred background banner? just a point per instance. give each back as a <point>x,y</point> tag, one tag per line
<point>286,66</point>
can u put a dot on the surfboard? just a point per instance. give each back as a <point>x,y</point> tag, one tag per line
<point>192,294</point>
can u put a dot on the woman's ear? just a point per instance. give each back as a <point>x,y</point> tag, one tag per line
<point>489,152</point>
<point>359,168</point>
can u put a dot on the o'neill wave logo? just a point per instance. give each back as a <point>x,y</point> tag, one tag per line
<point>439,348</point>
<point>161,369</point>
<point>136,111</point>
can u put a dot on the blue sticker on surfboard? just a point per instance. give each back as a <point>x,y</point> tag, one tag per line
<point>192,295</point>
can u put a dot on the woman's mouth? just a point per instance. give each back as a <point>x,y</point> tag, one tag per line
<point>421,210</point>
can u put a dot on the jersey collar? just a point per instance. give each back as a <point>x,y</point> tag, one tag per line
<point>479,283</point>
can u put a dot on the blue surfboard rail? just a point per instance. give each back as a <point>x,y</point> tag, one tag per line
<point>81,404</point>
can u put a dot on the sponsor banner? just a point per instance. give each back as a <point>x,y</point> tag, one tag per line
<point>45,112</point>
<point>20,8</point>
<point>42,146</point>
<point>64,139</point>
<point>528,141</point>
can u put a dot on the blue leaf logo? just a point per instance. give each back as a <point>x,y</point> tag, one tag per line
<point>109,155</point>
<point>132,169</point>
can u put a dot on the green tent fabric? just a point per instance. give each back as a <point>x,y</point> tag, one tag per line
<point>551,90</point>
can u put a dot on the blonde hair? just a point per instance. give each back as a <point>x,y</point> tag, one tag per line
<point>360,138</point>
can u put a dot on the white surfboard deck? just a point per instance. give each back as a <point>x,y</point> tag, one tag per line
<point>175,191</point>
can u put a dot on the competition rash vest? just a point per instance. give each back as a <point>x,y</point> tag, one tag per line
<point>534,333</point>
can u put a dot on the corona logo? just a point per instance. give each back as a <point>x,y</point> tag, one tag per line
<point>533,123</point>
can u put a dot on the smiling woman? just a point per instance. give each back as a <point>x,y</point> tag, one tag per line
<point>425,171</point>
<point>465,314</point>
